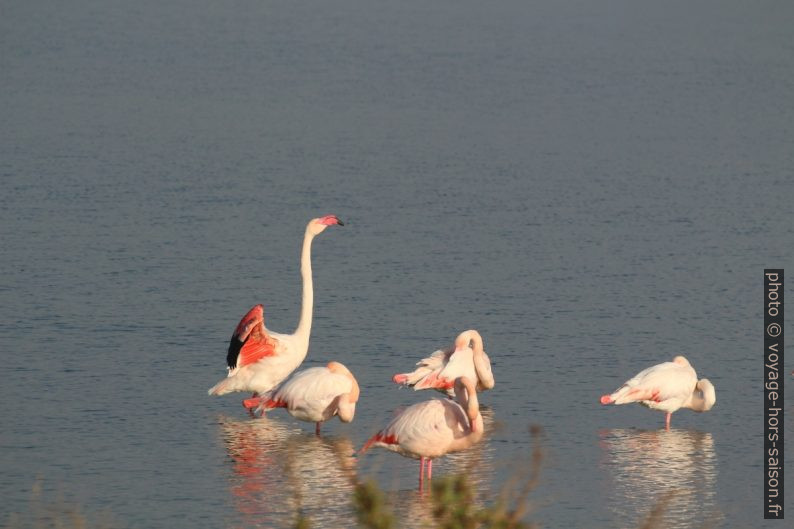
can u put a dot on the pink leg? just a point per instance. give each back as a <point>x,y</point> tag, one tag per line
<point>667,421</point>
<point>317,428</point>
<point>429,469</point>
<point>422,462</point>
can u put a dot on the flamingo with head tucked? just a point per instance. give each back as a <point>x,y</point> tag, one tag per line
<point>258,358</point>
<point>439,370</point>
<point>668,387</point>
<point>430,429</point>
<point>316,394</point>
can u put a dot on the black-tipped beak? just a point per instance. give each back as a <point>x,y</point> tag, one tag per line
<point>340,222</point>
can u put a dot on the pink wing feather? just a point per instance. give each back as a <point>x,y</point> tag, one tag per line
<point>250,341</point>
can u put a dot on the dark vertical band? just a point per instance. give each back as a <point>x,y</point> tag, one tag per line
<point>773,394</point>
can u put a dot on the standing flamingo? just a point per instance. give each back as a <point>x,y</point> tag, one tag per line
<point>258,359</point>
<point>316,394</point>
<point>439,370</point>
<point>668,386</point>
<point>430,429</point>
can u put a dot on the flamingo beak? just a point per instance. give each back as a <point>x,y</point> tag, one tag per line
<point>330,220</point>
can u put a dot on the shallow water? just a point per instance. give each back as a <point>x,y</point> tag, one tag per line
<point>596,187</point>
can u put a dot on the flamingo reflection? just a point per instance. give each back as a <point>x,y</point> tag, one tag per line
<point>278,470</point>
<point>644,465</point>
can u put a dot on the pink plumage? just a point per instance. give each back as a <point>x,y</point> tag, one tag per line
<point>430,429</point>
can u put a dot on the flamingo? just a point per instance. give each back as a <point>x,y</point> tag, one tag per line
<point>316,394</point>
<point>258,358</point>
<point>430,429</point>
<point>668,387</point>
<point>439,370</point>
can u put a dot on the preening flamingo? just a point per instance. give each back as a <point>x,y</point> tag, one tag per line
<point>316,394</point>
<point>258,358</point>
<point>668,387</point>
<point>430,429</point>
<point>439,370</point>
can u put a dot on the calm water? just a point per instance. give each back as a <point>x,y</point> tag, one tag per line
<point>595,186</point>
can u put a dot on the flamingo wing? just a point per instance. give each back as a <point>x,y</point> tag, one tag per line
<point>250,341</point>
<point>429,368</point>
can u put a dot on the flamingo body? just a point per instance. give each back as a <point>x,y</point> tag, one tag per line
<point>258,359</point>
<point>316,394</point>
<point>466,358</point>
<point>667,387</point>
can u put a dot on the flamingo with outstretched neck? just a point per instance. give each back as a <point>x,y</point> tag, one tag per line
<point>258,358</point>
<point>433,428</point>
<point>316,394</point>
<point>668,387</point>
<point>466,358</point>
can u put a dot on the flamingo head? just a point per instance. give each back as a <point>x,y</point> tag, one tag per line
<point>346,407</point>
<point>705,395</point>
<point>339,368</point>
<point>317,226</point>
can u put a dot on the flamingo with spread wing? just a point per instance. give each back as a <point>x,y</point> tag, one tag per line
<point>258,358</point>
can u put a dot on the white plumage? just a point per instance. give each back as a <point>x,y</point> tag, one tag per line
<point>433,428</point>
<point>668,387</point>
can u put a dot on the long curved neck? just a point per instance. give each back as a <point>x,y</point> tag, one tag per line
<point>481,365</point>
<point>466,395</point>
<point>307,301</point>
<point>472,404</point>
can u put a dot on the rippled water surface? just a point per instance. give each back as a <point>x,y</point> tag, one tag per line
<point>594,186</point>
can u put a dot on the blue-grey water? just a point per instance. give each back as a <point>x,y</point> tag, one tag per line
<point>594,186</point>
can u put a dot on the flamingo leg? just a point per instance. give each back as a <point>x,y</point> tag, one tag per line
<point>422,463</point>
<point>317,428</point>
<point>667,421</point>
<point>429,469</point>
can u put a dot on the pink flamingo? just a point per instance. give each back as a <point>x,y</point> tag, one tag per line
<point>316,394</point>
<point>430,429</point>
<point>668,387</point>
<point>439,370</point>
<point>258,359</point>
